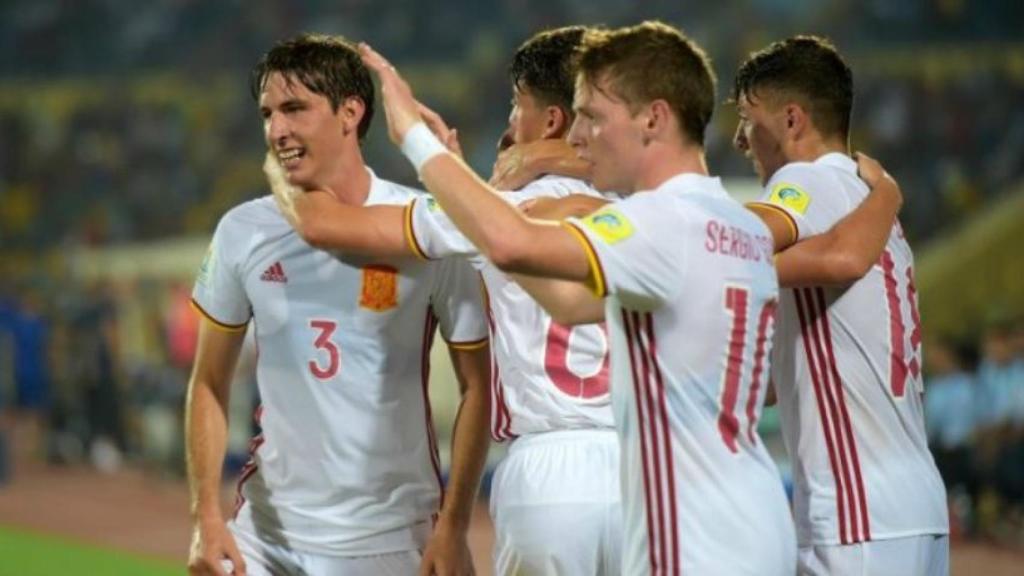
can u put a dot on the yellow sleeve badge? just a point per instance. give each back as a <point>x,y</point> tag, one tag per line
<point>380,288</point>
<point>609,224</point>
<point>790,196</point>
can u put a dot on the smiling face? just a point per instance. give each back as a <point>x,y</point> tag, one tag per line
<point>608,136</point>
<point>760,133</point>
<point>303,130</point>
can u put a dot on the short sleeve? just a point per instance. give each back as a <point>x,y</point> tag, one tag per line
<point>458,304</point>
<point>634,251</point>
<point>431,233</point>
<point>809,197</point>
<point>219,292</point>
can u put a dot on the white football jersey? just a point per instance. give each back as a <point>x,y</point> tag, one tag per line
<point>347,462</point>
<point>690,296</point>
<point>847,370</point>
<point>544,376</point>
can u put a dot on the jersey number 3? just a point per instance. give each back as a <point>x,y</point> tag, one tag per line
<point>325,345</point>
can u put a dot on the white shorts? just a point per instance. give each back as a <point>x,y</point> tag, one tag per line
<point>555,503</point>
<point>926,555</point>
<point>265,559</point>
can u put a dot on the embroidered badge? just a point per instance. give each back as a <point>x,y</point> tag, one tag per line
<point>609,224</point>
<point>380,288</point>
<point>790,196</point>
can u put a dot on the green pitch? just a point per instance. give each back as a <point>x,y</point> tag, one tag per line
<point>28,554</point>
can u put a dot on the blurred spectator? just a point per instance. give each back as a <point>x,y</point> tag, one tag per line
<point>950,419</point>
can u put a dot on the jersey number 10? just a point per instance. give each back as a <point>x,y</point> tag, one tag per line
<point>737,304</point>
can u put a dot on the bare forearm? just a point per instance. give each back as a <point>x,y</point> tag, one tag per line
<point>506,237</point>
<point>367,230</point>
<point>569,303</point>
<point>845,253</point>
<point>206,443</point>
<point>470,440</point>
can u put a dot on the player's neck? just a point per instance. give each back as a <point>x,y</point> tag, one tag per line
<point>669,163</point>
<point>350,180</point>
<point>810,149</point>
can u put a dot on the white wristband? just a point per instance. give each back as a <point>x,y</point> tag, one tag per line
<point>420,145</point>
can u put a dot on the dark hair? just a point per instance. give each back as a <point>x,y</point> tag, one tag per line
<point>326,65</point>
<point>805,68</point>
<point>652,61</point>
<point>544,65</point>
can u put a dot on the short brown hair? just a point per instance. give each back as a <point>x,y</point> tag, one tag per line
<point>544,65</point>
<point>653,61</point>
<point>327,65</point>
<point>808,69</point>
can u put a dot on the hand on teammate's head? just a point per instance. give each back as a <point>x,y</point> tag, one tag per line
<point>400,106</point>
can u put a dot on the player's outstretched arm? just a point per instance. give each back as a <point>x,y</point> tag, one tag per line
<point>578,205</point>
<point>520,164</point>
<point>505,236</point>
<point>325,223</point>
<point>447,553</point>
<point>206,427</point>
<point>847,251</point>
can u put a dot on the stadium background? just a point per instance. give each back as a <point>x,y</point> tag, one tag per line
<point>127,130</point>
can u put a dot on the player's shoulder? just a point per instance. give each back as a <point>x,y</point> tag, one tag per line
<point>256,213</point>
<point>556,187</point>
<point>390,192</point>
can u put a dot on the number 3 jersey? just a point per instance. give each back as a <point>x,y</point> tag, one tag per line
<point>347,461</point>
<point>690,295</point>
<point>847,371</point>
<point>544,376</point>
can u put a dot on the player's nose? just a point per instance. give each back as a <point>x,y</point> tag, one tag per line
<point>575,136</point>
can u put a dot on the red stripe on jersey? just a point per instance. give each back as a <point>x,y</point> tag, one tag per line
<point>897,369</point>
<point>656,440</point>
<point>501,419</point>
<point>632,339</point>
<point>765,325</point>
<point>819,396</point>
<point>854,458</point>
<point>429,329</point>
<point>666,436</point>
<point>249,468</point>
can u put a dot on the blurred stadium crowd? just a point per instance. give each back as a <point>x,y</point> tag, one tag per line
<point>128,122</point>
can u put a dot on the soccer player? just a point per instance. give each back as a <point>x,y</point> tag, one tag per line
<point>555,498</point>
<point>683,275</point>
<point>847,360</point>
<point>344,478</point>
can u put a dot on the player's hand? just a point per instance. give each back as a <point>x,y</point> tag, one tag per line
<point>212,544</point>
<point>873,174</point>
<point>520,164</point>
<point>284,193</point>
<point>447,553</point>
<point>448,136</point>
<point>400,106</point>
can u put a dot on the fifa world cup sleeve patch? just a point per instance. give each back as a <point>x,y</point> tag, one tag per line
<point>206,268</point>
<point>609,224</point>
<point>380,288</point>
<point>432,205</point>
<point>790,196</point>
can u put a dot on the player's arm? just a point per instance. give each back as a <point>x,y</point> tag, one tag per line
<point>510,240</point>
<point>845,252</point>
<point>521,164</point>
<point>206,426</point>
<point>546,208</point>
<point>448,552</point>
<point>325,223</point>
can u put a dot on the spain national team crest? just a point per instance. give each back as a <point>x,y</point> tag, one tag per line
<point>380,288</point>
<point>609,224</point>
<point>790,196</point>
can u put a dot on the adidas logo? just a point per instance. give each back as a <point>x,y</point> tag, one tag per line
<point>274,274</point>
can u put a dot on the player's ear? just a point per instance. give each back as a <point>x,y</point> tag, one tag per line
<point>351,111</point>
<point>796,119</point>
<point>658,118</point>
<point>556,122</point>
